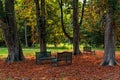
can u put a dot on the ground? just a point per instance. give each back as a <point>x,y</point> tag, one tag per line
<point>84,67</point>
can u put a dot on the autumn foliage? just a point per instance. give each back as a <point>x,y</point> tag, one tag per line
<point>84,67</point>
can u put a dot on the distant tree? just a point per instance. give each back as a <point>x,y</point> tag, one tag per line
<point>25,20</point>
<point>8,25</point>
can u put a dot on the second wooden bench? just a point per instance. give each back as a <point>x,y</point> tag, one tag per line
<point>63,56</point>
<point>88,50</point>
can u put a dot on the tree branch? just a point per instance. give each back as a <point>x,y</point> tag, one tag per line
<point>84,2</point>
<point>62,22</point>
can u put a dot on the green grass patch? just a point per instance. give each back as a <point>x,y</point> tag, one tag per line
<point>31,51</point>
<point>50,47</point>
<point>3,51</point>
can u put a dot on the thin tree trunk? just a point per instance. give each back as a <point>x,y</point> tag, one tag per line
<point>83,6</point>
<point>26,40</point>
<point>109,42</point>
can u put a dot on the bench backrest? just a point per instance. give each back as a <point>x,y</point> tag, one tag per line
<point>64,56</point>
<point>43,54</point>
<point>86,48</point>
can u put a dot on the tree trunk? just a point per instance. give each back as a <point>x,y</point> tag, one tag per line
<point>42,28</point>
<point>26,39</point>
<point>10,33</point>
<point>109,42</point>
<point>41,24</point>
<point>76,28</point>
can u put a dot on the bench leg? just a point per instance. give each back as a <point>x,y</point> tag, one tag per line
<point>94,52</point>
<point>38,61</point>
<point>54,62</point>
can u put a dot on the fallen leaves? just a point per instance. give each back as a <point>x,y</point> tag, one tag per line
<point>84,67</point>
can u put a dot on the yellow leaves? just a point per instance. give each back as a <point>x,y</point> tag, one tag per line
<point>50,21</point>
<point>68,16</point>
<point>25,9</point>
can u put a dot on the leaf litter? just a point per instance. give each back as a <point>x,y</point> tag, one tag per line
<point>84,67</point>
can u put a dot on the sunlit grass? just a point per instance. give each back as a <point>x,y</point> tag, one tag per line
<point>31,51</point>
<point>3,51</point>
<point>50,47</point>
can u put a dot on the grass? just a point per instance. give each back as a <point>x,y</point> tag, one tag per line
<point>31,51</point>
<point>3,50</point>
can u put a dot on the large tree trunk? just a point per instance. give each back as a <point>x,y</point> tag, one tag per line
<point>109,42</point>
<point>76,34</point>
<point>10,33</point>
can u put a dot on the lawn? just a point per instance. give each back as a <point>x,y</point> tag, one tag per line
<point>31,51</point>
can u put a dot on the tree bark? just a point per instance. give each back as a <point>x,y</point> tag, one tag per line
<point>43,28</point>
<point>26,39</point>
<point>10,33</point>
<point>76,28</point>
<point>40,13</point>
<point>109,42</point>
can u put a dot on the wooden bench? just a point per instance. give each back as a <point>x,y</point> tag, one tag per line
<point>88,50</point>
<point>40,56</point>
<point>64,56</point>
